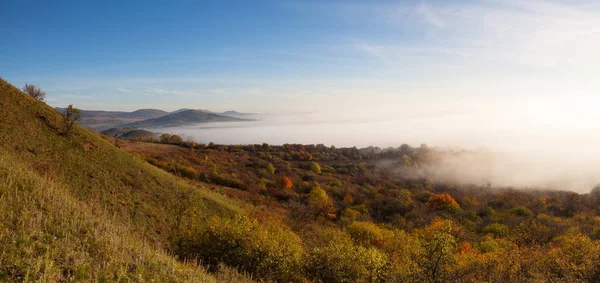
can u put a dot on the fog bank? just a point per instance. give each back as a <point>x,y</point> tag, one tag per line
<point>524,150</point>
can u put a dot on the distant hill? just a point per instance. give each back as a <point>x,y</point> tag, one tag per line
<point>235,114</point>
<point>187,117</point>
<point>180,110</point>
<point>129,133</point>
<point>146,114</point>
<point>140,114</point>
<point>139,133</point>
<point>101,120</point>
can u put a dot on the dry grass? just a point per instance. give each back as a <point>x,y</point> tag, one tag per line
<point>47,235</point>
<point>77,208</point>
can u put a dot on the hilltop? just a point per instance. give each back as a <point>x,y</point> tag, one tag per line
<point>233,113</point>
<point>183,118</point>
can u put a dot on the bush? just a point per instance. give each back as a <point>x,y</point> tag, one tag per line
<point>369,234</point>
<point>343,261</point>
<point>573,258</point>
<point>443,202</point>
<point>521,211</point>
<point>499,230</point>
<point>268,251</point>
<point>35,92</point>
<point>71,116</point>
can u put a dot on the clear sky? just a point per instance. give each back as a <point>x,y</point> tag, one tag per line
<point>359,59</point>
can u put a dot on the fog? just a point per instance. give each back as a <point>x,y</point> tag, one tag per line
<point>514,149</point>
<point>518,170</point>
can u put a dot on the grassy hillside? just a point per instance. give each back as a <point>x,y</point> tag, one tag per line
<point>48,235</point>
<point>76,204</point>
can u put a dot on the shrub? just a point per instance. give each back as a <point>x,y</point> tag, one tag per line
<point>315,167</point>
<point>164,138</point>
<point>488,246</point>
<point>35,92</point>
<point>368,233</point>
<point>285,183</point>
<point>442,202</point>
<point>269,251</point>
<point>499,230</point>
<point>343,261</point>
<point>521,211</point>
<point>175,139</point>
<point>573,258</point>
<point>71,116</point>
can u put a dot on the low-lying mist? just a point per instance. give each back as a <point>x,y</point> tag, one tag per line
<point>518,170</point>
<point>505,150</point>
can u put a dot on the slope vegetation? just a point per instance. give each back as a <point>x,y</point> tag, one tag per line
<point>76,206</point>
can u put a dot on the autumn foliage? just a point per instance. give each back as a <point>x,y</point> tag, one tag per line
<point>442,201</point>
<point>285,183</point>
<point>359,221</point>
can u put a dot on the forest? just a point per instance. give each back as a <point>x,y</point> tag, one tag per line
<point>322,213</point>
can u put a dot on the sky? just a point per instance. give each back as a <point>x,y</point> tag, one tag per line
<point>348,59</point>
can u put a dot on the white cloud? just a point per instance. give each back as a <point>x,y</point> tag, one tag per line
<point>429,16</point>
<point>493,35</point>
<point>124,90</point>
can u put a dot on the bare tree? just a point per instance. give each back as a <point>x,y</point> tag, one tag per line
<point>35,92</point>
<point>71,116</point>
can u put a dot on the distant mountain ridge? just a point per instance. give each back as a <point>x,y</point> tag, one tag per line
<point>100,120</point>
<point>182,118</point>
<point>139,114</point>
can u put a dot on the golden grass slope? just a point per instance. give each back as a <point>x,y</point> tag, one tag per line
<point>77,207</point>
<point>47,235</point>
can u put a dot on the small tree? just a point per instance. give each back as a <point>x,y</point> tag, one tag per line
<point>320,203</point>
<point>164,138</point>
<point>315,167</point>
<point>175,139</point>
<point>35,92</point>
<point>71,116</point>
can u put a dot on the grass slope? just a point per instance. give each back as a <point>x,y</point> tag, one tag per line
<point>48,235</point>
<point>85,178</point>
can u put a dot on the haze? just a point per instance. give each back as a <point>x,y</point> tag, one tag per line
<point>517,77</point>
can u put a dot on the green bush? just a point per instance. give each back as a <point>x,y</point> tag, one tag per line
<point>499,230</point>
<point>369,234</point>
<point>521,211</point>
<point>488,246</point>
<point>266,251</point>
<point>343,261</point>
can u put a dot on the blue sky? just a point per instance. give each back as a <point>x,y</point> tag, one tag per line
<point>345,57</point>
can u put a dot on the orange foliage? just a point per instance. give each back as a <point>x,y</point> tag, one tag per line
<point>286,183</point>
<point>441,201</point>
<point>348,199</point>
<point>467,249</point>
